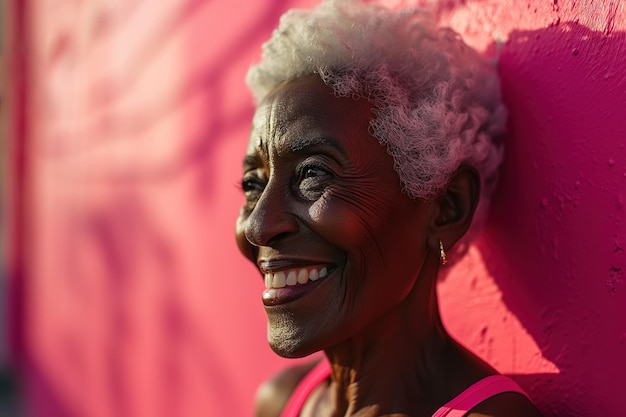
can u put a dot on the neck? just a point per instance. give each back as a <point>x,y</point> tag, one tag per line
<point>400,362</point>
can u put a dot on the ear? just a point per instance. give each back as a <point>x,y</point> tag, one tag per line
<point>455,208</point>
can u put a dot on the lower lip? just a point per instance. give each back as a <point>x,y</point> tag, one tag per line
<point>287,294</point>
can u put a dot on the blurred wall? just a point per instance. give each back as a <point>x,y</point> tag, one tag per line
<point>130,298</point>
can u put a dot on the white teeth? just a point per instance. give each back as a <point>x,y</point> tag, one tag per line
<point>293,277</point>
<point>303,276</point>
<point>279,280</point>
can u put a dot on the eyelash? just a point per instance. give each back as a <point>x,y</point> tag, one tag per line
<point>311,167</point>
<point>309,177</point>
<point>249,184</point>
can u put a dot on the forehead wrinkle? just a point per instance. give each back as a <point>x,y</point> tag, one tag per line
<point>280,132</point>
<point>298,130</point>
<point>307,143</point>
<point>263,128</point>
<point>281,126</point>
<point>290,122</point>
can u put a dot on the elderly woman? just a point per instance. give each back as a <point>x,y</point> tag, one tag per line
<point>373,147</point>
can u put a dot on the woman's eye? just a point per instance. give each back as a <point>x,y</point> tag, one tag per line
<point>252,188</point>
<point>313,180</point>
<point>248,185</point>
<point>310,172</point>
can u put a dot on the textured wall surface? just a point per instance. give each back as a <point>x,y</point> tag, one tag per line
<point>543,289</point>
<point>133,298</point>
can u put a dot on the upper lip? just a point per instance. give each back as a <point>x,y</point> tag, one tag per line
<point>278,264</point>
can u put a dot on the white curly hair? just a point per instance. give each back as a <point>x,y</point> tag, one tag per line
<point>437,101</point>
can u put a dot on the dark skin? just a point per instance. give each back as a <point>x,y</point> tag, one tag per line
<point>322,196</point>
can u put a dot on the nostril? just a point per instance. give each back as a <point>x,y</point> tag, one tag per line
<point>267,233</point>
<point>253,232</point>
<point>278,238</point>
<point>251,240</point>
<point>248,249</point>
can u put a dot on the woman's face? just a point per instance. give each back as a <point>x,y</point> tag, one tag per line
<point>325,221</point>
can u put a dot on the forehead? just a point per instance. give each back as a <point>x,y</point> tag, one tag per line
<point>306,110</point>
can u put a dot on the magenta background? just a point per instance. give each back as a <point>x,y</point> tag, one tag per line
<point>131,298</point>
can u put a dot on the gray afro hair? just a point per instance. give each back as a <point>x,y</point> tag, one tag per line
<point>437,102</point>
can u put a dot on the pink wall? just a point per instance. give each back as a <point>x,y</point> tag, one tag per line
<point>136,302</point>
<point>554,249</point>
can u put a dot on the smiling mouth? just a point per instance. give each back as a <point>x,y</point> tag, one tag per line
<point>295,276</point>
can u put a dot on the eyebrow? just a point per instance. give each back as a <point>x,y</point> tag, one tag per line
<point>316,142</point>
<point>253,160</point>
<point>250,161</point>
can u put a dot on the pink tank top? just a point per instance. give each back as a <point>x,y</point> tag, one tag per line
<point>457,407</point>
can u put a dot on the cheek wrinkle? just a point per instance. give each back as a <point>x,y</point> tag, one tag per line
<point>316,209</point>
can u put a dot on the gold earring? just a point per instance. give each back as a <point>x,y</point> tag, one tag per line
<point>443,258</point>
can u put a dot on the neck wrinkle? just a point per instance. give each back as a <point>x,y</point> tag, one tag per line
<point>391,365</point>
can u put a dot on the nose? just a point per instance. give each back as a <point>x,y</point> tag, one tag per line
<point>271,218</point>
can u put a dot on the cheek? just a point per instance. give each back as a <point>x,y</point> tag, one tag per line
<point>352,217</point>
<point>333,218</point>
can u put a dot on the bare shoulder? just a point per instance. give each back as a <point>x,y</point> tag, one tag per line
<point>506,405</point>
<point>272,395</point>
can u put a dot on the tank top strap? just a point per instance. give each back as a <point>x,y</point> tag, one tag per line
<point>459,406</point>
<point>482,390</point>
<point>311,380</point>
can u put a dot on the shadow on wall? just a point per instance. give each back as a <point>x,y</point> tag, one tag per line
<point>554,243</point>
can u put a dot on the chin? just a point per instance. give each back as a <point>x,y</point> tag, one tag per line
<point>290,349</point>
<point>290,352</point>
<point>288,342</point>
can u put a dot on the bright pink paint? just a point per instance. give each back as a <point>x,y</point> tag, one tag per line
<point>554,245</point>
<point>138,303</point>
